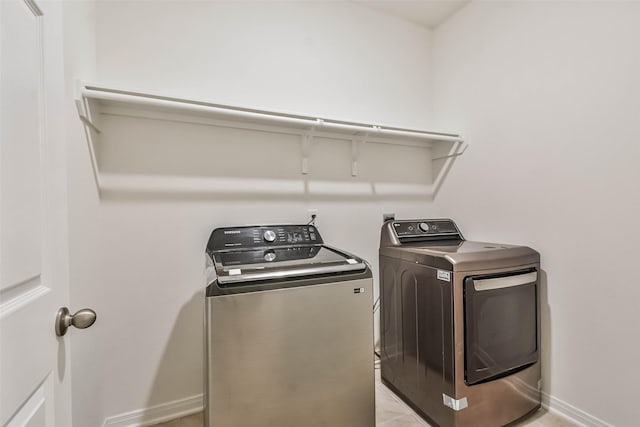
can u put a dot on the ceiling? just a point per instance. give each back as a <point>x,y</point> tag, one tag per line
<point>426,13</point>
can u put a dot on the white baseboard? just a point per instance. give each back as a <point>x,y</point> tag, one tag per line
<point>563,409</point>
<point>183,407</point>
<point>158,413</point>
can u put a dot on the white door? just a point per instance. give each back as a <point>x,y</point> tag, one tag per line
<point>34,363</point>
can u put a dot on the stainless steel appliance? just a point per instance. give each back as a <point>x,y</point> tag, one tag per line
<point>460,324</point>
<point>289,331</point>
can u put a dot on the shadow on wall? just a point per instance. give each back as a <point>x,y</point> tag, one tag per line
<point>545,333</point>
<point>181,364</point>
<point>142,158</point>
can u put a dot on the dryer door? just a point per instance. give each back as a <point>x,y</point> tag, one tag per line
<point>501,324</point>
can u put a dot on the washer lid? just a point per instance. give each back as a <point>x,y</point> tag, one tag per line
<point>279,252</point>
<point>235,267</point>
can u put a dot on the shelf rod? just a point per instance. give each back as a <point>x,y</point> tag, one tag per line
<point>304,121</point>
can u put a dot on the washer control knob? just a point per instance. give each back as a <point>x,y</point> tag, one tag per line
<point>269,236</point>
<point>423,226</point>
<point>269,256</point>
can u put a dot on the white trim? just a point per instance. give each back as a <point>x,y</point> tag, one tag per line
<point>191,405</point>
<point>29,410</point>
<point>565,410</point>
<point>157,414</point>
<point>21,295</point>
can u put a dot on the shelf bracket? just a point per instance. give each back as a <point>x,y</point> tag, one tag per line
<point>354,157</point>
<point>83,117</point>
<point>305,145</point>
<point>88,126</point>
<point>456,154</point>
<point>355,147</point>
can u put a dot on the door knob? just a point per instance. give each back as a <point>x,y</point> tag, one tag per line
<point>81,319</point>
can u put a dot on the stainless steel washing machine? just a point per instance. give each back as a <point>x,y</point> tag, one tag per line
<point>289,331</point>
<point>460,324</point>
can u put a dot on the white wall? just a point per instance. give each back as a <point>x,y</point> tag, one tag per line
<point>548,94</point>
<point>330,59</point>
<point>137,258</point>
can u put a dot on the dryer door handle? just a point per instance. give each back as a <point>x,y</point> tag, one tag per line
<point>505,282</point>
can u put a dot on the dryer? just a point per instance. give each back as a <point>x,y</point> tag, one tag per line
<point>460,324</point>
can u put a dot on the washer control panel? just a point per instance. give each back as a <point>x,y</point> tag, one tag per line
<point>426,228</point>
<point>261,236</point>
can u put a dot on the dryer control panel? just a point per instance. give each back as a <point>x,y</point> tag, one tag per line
<point>426,229</point>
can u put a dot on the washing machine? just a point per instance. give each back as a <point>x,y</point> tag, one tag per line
<point>289,331</point>
<point>460,324</point>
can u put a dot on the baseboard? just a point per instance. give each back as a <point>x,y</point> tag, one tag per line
<point>157,414</point>
<point>563,409</point>
<point>183,407</point>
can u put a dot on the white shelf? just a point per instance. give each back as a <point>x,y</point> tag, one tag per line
<point>94,100</point>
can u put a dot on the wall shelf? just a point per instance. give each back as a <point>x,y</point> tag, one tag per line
<point>93,101</point>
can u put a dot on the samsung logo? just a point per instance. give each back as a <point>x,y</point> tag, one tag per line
<point>232,232</point>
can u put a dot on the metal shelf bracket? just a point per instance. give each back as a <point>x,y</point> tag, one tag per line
<point>456,154</point>
<point>355,148</point>
<point>83,116</point>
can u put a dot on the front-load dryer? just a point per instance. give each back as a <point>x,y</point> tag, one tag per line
<point>460,324</point>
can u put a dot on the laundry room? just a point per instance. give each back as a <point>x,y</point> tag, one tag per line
<point>351,131</point>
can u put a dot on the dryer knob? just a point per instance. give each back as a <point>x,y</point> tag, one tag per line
<point>423,226</point>
<point>269,236</point>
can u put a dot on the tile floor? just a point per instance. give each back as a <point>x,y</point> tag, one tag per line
<point>393,412</point>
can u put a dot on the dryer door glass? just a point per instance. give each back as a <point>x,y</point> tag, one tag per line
<point>501,324</point>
